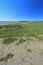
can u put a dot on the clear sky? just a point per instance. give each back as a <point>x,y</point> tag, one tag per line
<point>21,10</point>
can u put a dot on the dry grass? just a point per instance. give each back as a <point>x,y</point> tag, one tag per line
<point>10,55</point>
<point>21,40</point>
<point>29,49</point>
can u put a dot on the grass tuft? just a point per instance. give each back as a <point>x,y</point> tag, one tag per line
<point>21,40</point>
<point>10,55</point>
<point>29,49</point>
<point>8,40</point>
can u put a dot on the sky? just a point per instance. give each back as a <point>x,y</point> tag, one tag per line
<point>16,10</point>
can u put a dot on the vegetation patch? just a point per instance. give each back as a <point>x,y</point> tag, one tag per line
<point>29,49</point>
<point>21,40</point>
<point>10,55</point>
<point>8,40</point>
<point>41,52</point>
<point>34,29</point>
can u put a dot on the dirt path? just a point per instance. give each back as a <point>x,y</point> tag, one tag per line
<point>29,52</point>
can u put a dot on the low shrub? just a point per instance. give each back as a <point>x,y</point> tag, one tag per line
<point>8,40</point>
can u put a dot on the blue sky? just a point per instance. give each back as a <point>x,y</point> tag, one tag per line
<point>11,10</point>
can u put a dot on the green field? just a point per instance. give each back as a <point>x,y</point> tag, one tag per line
<point>21,43</point>
<point>21,29</point>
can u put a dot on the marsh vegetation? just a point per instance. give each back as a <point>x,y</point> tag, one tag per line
<point>21,43</point>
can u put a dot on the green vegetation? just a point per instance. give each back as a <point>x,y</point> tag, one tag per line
<point>21,29</point>
<point>9,40</point>
<point>21,40</point>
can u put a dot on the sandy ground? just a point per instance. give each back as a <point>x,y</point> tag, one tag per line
<point>22,55</point>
